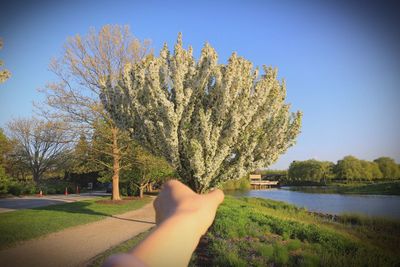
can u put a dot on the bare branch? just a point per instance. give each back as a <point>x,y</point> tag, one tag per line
<point>41,145</point>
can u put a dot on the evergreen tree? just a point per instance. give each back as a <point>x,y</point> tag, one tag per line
<point>82,162</point>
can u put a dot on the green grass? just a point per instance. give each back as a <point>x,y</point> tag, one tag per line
<point>121,248</point>
<point>258,232</point>
<point>382,188</point>
<point>31,223</point>
<point>239,184</point>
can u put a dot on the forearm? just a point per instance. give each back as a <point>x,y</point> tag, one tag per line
<point>171,243</point>
<point>182,217</point>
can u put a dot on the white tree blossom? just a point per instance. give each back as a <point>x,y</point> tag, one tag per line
<point>4,74</point>
<point>213,122</point>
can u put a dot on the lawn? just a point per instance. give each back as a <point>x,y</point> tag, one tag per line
<point>31,223</point>
<point>259,232</point>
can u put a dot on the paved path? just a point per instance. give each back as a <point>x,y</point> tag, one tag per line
<point>75,246</point>
<point>27,202</point>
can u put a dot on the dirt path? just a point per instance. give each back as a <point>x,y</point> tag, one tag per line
<point>76,245</point>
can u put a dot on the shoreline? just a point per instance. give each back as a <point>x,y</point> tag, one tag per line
<point>263,232</point>
<point>381,188</point>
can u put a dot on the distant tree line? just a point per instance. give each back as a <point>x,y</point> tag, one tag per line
<point>37,155</point>
<point>349,168</point>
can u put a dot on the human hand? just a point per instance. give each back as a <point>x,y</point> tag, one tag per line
<point>182,217</point>
<point>176,199</point>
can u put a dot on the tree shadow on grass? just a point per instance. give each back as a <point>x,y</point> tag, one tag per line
<point>82,208</point>
<point>19,203</point>
<point>74,207</point>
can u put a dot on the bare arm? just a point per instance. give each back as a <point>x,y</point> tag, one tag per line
<point>182,217</point>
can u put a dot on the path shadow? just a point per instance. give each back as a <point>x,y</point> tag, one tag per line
<point>133,220</point>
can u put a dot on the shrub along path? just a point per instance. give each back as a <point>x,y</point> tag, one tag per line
<point>76,245</point>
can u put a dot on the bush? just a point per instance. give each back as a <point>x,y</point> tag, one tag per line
<point>265,250</point>
<point>16,189</point>
<point>281,255</point>
<point>239,184</point>
<point>29,188</point>
<point>133,190</point>
<point>55,186</point>
<point>4,181</point>
<point>244,184</point>
<point>309,260</point>
<point>294,244</point>
<point>123,191</point>
<point>49,191</point>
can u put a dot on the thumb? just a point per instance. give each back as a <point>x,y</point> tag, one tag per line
<point>216,196</point>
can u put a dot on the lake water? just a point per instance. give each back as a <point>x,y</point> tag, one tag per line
<point>371,205</point>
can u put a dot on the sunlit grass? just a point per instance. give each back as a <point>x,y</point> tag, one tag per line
<point>258,232</point>
<point>31,223</point>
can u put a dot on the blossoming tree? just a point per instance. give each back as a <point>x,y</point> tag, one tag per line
<point>4,74</point>
<point>213,122</point>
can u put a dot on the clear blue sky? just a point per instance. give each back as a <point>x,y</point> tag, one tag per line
<point>341,61</point>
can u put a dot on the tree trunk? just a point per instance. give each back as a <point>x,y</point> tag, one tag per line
<point>116,167</point>
<point>36,176</point>
<point>150,187</point>
<point>141,189</point>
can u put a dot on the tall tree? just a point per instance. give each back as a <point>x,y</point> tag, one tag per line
<point>370,170</point>
<point>349,168</point>
<point>4,74</point>
<point>103,153</point>
<point>212,122</point>
<point>388,167</point>
<point>87,61</point>
<point>146,169</point>
<point>5,147</point>
<point>82,156</point>
<point>40,145</point>
<point>311,170</point>
<point>12,162</point>
<point>4,181</point>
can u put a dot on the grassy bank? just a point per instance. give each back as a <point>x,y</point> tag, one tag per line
<point>258,232</point>
<point>239,184</point>
<point>383,188</point>
<point>31,223</point>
